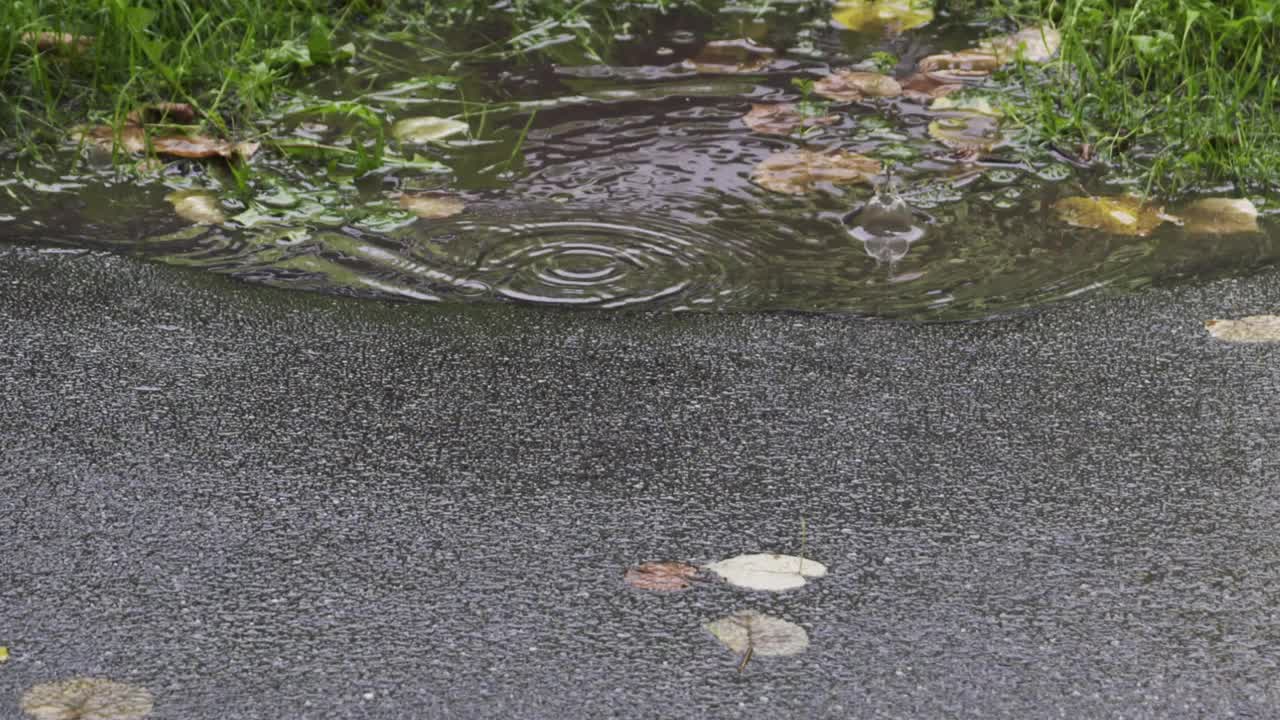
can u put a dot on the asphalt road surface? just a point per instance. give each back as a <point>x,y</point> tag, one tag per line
<point>264,504</point>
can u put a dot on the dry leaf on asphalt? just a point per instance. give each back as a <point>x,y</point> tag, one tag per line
<point>1252,329</point>
<point>782,118</point>
<point>1219,216</point>
<point>768,571</point>
<point>1118,215</point>
<point>57,41</point>
<point>667,576</point>
<point>882,15</point>
<point>87,699</point>
<point>795,172</point>
<point>853,85</point>
<point>751,633</point>
<point>432,206</point>
<point>199,206</point>
<point>730,57</point>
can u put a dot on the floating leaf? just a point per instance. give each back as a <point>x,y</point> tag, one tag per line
<point>970,133</point>
<point>198,206</point>
<point>923,88</point>
<point>427,129</point>
<point>853,85</point>
<point>795,172</point>
<point>1220,216</point>
<point>133,139</point>
<point>750,632</point>
<point>782,118</point>
<point>666,576</point>
<point>958,67</point>
<point>768,571</point>
<point>966,103</point>
<point>1033,44</point>
<point>881,15</point>
<point>57,41</point>
<point>432,206</point>
<point>161,113</point>
<point>87,699</point>
<point>1120,215</point>
<point>730,57</point>
<point>1252,329</point>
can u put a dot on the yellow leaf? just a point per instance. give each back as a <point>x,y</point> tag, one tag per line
<point>877,15</point>
<point>1119,215</point>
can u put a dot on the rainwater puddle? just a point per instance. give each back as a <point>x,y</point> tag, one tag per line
<point>625,181</point>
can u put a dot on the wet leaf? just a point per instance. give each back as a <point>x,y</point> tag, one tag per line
<point>966,103</point>
<point>1220,216</point>
<point>783,118</point>
<point>198,206</point>
<point>432,206</point>
<point>971,133</point>
<point>1252,329</point>
<point>1033,44</point>
<point>751,632</point>
<point>4,654</point>
<point>162,113</point>
<point>795,172</point>
<point>666,576</point>
<point>730,57</point>
<point>87,699</point>
<point>853,85</point>
<point>1119,215</point>
<point>923,88</point>
<point>768,571</point>
<point>427,129</point>
<point>882,15</point>
<point>958,67</point>
<point>57,41</point>
<point>133,139</point>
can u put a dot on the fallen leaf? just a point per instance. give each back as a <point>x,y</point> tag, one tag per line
<point>795,172</point>
<point>4,654</point>
<point>768,571</point>
<point>1119,215</point>
<point>959,67</point>
<point>730,57</point>
<point>432,206</point>
<point>427,129</point>
<point>923,88</point>
<point>1033,44</point>
<point>1220,216</point>
<point>751,632</point>
<point>87,699</point>
<point>198,206</point>
<point>666,576</point>
<point>57,41</point>
<point>882,15</point>
<point>968,132</point>
<point>853,85</point>
<point>966,103</point>
<point>782,118</point>
<point>162,112</point>
<point>1252,329</point>
<point>133,139</point>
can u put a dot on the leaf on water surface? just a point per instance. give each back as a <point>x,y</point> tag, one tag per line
<point>768,571</point>
<point>730,57</point>
<point>923,88</point>
<point>432,206</point>
<point>966,103</point>
<point>782,118</point>
<point>1252,329</point>
<point>751,632</point>
<point>882,15</point>
<point>57,41</point>
<point>133,139</point>
<point>87,699</point>
<point>166,112</point>
<point>971,133</point>
<point>1118,215</point>
<point>795,172</point>
<point>427,129</point>
<point>1033,44</point>
<point>1220,216</point>
<point>853,85</point>
<point>198,206</point>
<point>961,66</point>
<point>666,576</point>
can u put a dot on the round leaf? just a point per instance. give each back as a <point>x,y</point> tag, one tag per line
<point>782,118</point>
<point>853,85</point>
<point>795,172</point>
<point>881,15</point>
<point>768,571</point>
<point>750,631</point>
<point>198,206</point>
<point>86,699</point>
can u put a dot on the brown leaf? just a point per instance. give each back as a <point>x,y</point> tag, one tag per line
<point>57,41</point>
<point>971,133</point>
<point>1118,215</point>
<point>133,139</point>
<point>1252,329</point>
<point>730,56</point>
<point>922,88</point>
<point>432,206</point>
<point>667,576</point>
<point>958,67</point>
<point>853,85</point>
<point>795,172</point>
<point>782,118</point>
<point>162,113</point>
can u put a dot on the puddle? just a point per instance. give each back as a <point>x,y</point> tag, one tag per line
<point>625,181</point>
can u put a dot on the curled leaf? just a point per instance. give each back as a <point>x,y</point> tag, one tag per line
<point>162,113</point>
<point>1252,329</point>
<point>959,67</point>
<point>768,571</point>
<point>661,576</point>
<point>730,57</point>
<point>782,118</point>
<point>1033,44</point>
<point>427,129</point>
<point>795,172</point>
<point>198,206</point>
<point>1119,215</point>
<point>87,699</point>
<point>1220,216</point>
<point>752,632</point>
<point>882,15</point>
<point>57,41</point>
<point>432,206</point>
<point>853,85</point>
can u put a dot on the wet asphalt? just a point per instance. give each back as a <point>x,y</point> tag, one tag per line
<point>265,504</point>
